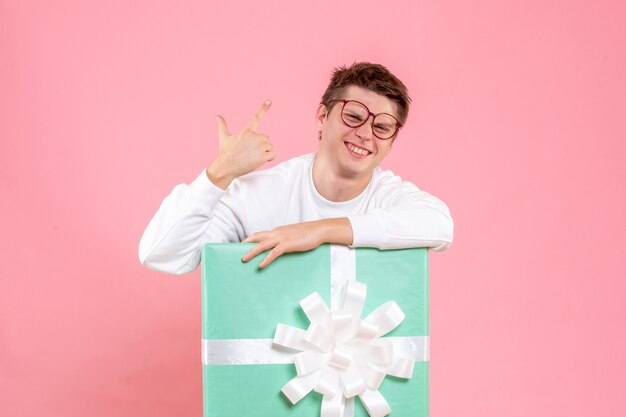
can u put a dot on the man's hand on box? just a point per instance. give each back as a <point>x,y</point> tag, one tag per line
<point>298,237</point>
<point>242,152</point>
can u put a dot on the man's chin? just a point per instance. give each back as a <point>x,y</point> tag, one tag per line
<point>354,171</point>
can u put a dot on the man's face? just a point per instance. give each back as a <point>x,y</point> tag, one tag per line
<point>353,153</point>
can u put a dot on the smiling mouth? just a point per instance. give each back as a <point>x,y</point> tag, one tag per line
<point>357,151</point>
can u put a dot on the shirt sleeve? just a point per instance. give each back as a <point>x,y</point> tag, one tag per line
<point>403,217</point>
<point>190,216</point>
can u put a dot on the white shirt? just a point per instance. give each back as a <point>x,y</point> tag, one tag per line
<point>389,214</point>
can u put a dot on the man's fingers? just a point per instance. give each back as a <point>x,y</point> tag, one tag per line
<point>261,247</point>
<point>252,253</point>
<point>258,116</point>
<point>254,237</point>
<point>274,253</point>
<point>222,128</point>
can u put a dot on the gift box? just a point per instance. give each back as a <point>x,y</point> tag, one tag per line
<point>245,310</point>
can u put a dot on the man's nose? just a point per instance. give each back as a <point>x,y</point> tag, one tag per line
<point>365,130</point>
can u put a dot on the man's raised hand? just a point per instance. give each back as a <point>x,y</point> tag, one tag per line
<point>240,153</point>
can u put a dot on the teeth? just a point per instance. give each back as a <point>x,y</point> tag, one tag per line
<point>357,150</point>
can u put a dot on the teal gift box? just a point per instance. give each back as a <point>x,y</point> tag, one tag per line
<point>243,304</point>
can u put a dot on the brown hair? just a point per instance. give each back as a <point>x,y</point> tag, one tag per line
<point>374,77</point>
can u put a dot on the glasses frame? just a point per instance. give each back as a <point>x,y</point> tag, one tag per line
<point>374,115</point>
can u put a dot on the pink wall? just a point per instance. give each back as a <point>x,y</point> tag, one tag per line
<point>518,124</point>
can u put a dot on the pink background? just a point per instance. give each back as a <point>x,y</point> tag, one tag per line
<point>518,124</point>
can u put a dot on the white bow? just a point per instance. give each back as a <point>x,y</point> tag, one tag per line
<point>341,355</point>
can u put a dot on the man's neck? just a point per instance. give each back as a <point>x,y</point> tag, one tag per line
<point>335,187</point>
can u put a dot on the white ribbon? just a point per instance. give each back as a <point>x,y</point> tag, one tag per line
<point>343,356</point>
<point>263,351</point>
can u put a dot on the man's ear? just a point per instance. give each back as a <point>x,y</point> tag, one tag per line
<point>320,116</point>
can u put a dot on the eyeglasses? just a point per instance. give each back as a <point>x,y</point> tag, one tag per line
<point>356,114</point>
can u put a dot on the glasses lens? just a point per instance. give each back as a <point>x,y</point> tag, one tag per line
<point>354,114</point>
<point>385,125</point>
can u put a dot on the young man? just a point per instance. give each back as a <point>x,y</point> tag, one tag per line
<point>337,195</point>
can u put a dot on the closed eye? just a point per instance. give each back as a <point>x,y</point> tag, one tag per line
<point>353,117</point>
<point>383,128</point>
